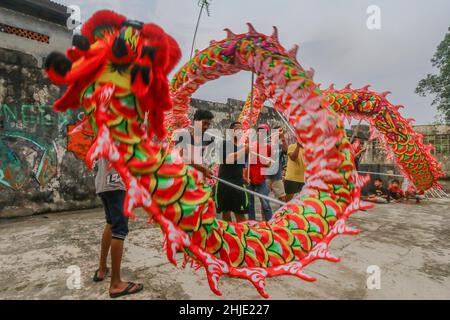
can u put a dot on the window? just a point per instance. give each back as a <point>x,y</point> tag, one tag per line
<point>36,36</point>
<point>441,143</point>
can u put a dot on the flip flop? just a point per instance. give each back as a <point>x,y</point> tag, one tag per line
<point>127,291</point>
<point>96,278</point>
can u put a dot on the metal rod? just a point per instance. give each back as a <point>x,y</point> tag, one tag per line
<point>281,203</point>
<point>251,120</point>
<point>381,174</point>
<point>287,123</point>
<point>196,28</point>
<point>253,152</point>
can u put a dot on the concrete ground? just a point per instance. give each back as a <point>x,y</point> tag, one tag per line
<point>408,242</point>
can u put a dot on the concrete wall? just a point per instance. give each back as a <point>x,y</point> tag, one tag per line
<point>37,174</point>
<point>443,158</point>
<point>228,112</point>
<point>60,37</point>
<point>376,156</point>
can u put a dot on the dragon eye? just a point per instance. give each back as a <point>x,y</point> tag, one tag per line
<point>148,51</point>
<point>81,42</point>
<point>119,47</point>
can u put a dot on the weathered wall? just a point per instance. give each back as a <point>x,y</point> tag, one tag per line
<point>60,37</point>
<point>226,113</point>
<point>376,156</point>
<point>37,174</point>
<point>442,147</point>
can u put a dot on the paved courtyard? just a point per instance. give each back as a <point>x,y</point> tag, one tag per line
<point>409,243</point>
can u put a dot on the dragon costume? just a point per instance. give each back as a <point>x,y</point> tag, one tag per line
<point>117,71</point>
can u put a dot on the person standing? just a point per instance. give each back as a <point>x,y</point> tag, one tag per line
<point>195,146</point>
<point>228,199</point>
<point>257,181</point>
<point>275,181</point>
<point>111,190</point>
<point>295,172</point>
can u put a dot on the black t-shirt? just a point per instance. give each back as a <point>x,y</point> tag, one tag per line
<point>379,192</point>
<point>232,171</point>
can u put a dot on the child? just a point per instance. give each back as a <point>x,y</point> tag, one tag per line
<point>377,193</point>
<point>394,191</point>
<point>411,191</point>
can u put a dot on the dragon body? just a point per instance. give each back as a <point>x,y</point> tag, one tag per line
<point>117,72</point>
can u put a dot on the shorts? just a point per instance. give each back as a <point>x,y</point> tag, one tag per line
<point>293,187</point>
<point>113,202</point>
<point>231,199</point>
<point>277,187</point>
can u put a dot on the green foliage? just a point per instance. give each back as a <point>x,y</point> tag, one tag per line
<point>439,84</point>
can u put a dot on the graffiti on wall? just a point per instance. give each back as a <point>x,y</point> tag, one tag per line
<point>29,139</point>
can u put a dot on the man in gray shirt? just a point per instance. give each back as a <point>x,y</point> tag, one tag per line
<point>111,190</point>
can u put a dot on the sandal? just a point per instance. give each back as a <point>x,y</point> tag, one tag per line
<point>96,278</point>
<point>127,291</point>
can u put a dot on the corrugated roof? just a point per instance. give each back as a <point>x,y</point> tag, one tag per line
<point>43,9</point>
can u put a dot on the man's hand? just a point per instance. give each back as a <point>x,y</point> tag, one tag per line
<point>207,172</point>
<point>204,169</point>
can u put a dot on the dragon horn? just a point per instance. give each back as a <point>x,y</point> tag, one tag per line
<point>385,94</point>
<point>230,34</point>
<point>251,28</point>
<point>348,87</point>
<point>366,88</point>
<point>331,87</point>
<point>274,35</point>
<point>293,52</point>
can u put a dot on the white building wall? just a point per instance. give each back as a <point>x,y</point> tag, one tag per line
<point>60,36</point>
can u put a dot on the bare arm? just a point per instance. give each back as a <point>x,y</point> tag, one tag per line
<point>232,157</point>
<point>294,155</point>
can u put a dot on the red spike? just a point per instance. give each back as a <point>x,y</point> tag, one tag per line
<point>251,28</point>
<point>230,34</point>
<point>293,52</point>
<point>384,94</point>
<point>348,87</point>
<point>274,35</point>
<point>366,88</point>
<point>331,87</point>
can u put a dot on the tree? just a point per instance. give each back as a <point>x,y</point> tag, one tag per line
<point>439,84</point>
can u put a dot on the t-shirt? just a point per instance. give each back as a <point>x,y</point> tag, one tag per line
<point>281,156</point>
<point>377,191</point>
<point>295,170</point>
<point>256,169</point>
<point>107,180</point>
<point>232,171</point>
<point>395,192</point>
<point>186,141</point>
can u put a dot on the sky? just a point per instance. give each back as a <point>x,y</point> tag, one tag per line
<point>332,34</point>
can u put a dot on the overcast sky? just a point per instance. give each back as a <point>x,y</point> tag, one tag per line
<point>332,34</point>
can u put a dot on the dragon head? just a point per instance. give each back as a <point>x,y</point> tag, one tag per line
<point>132,56</point>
